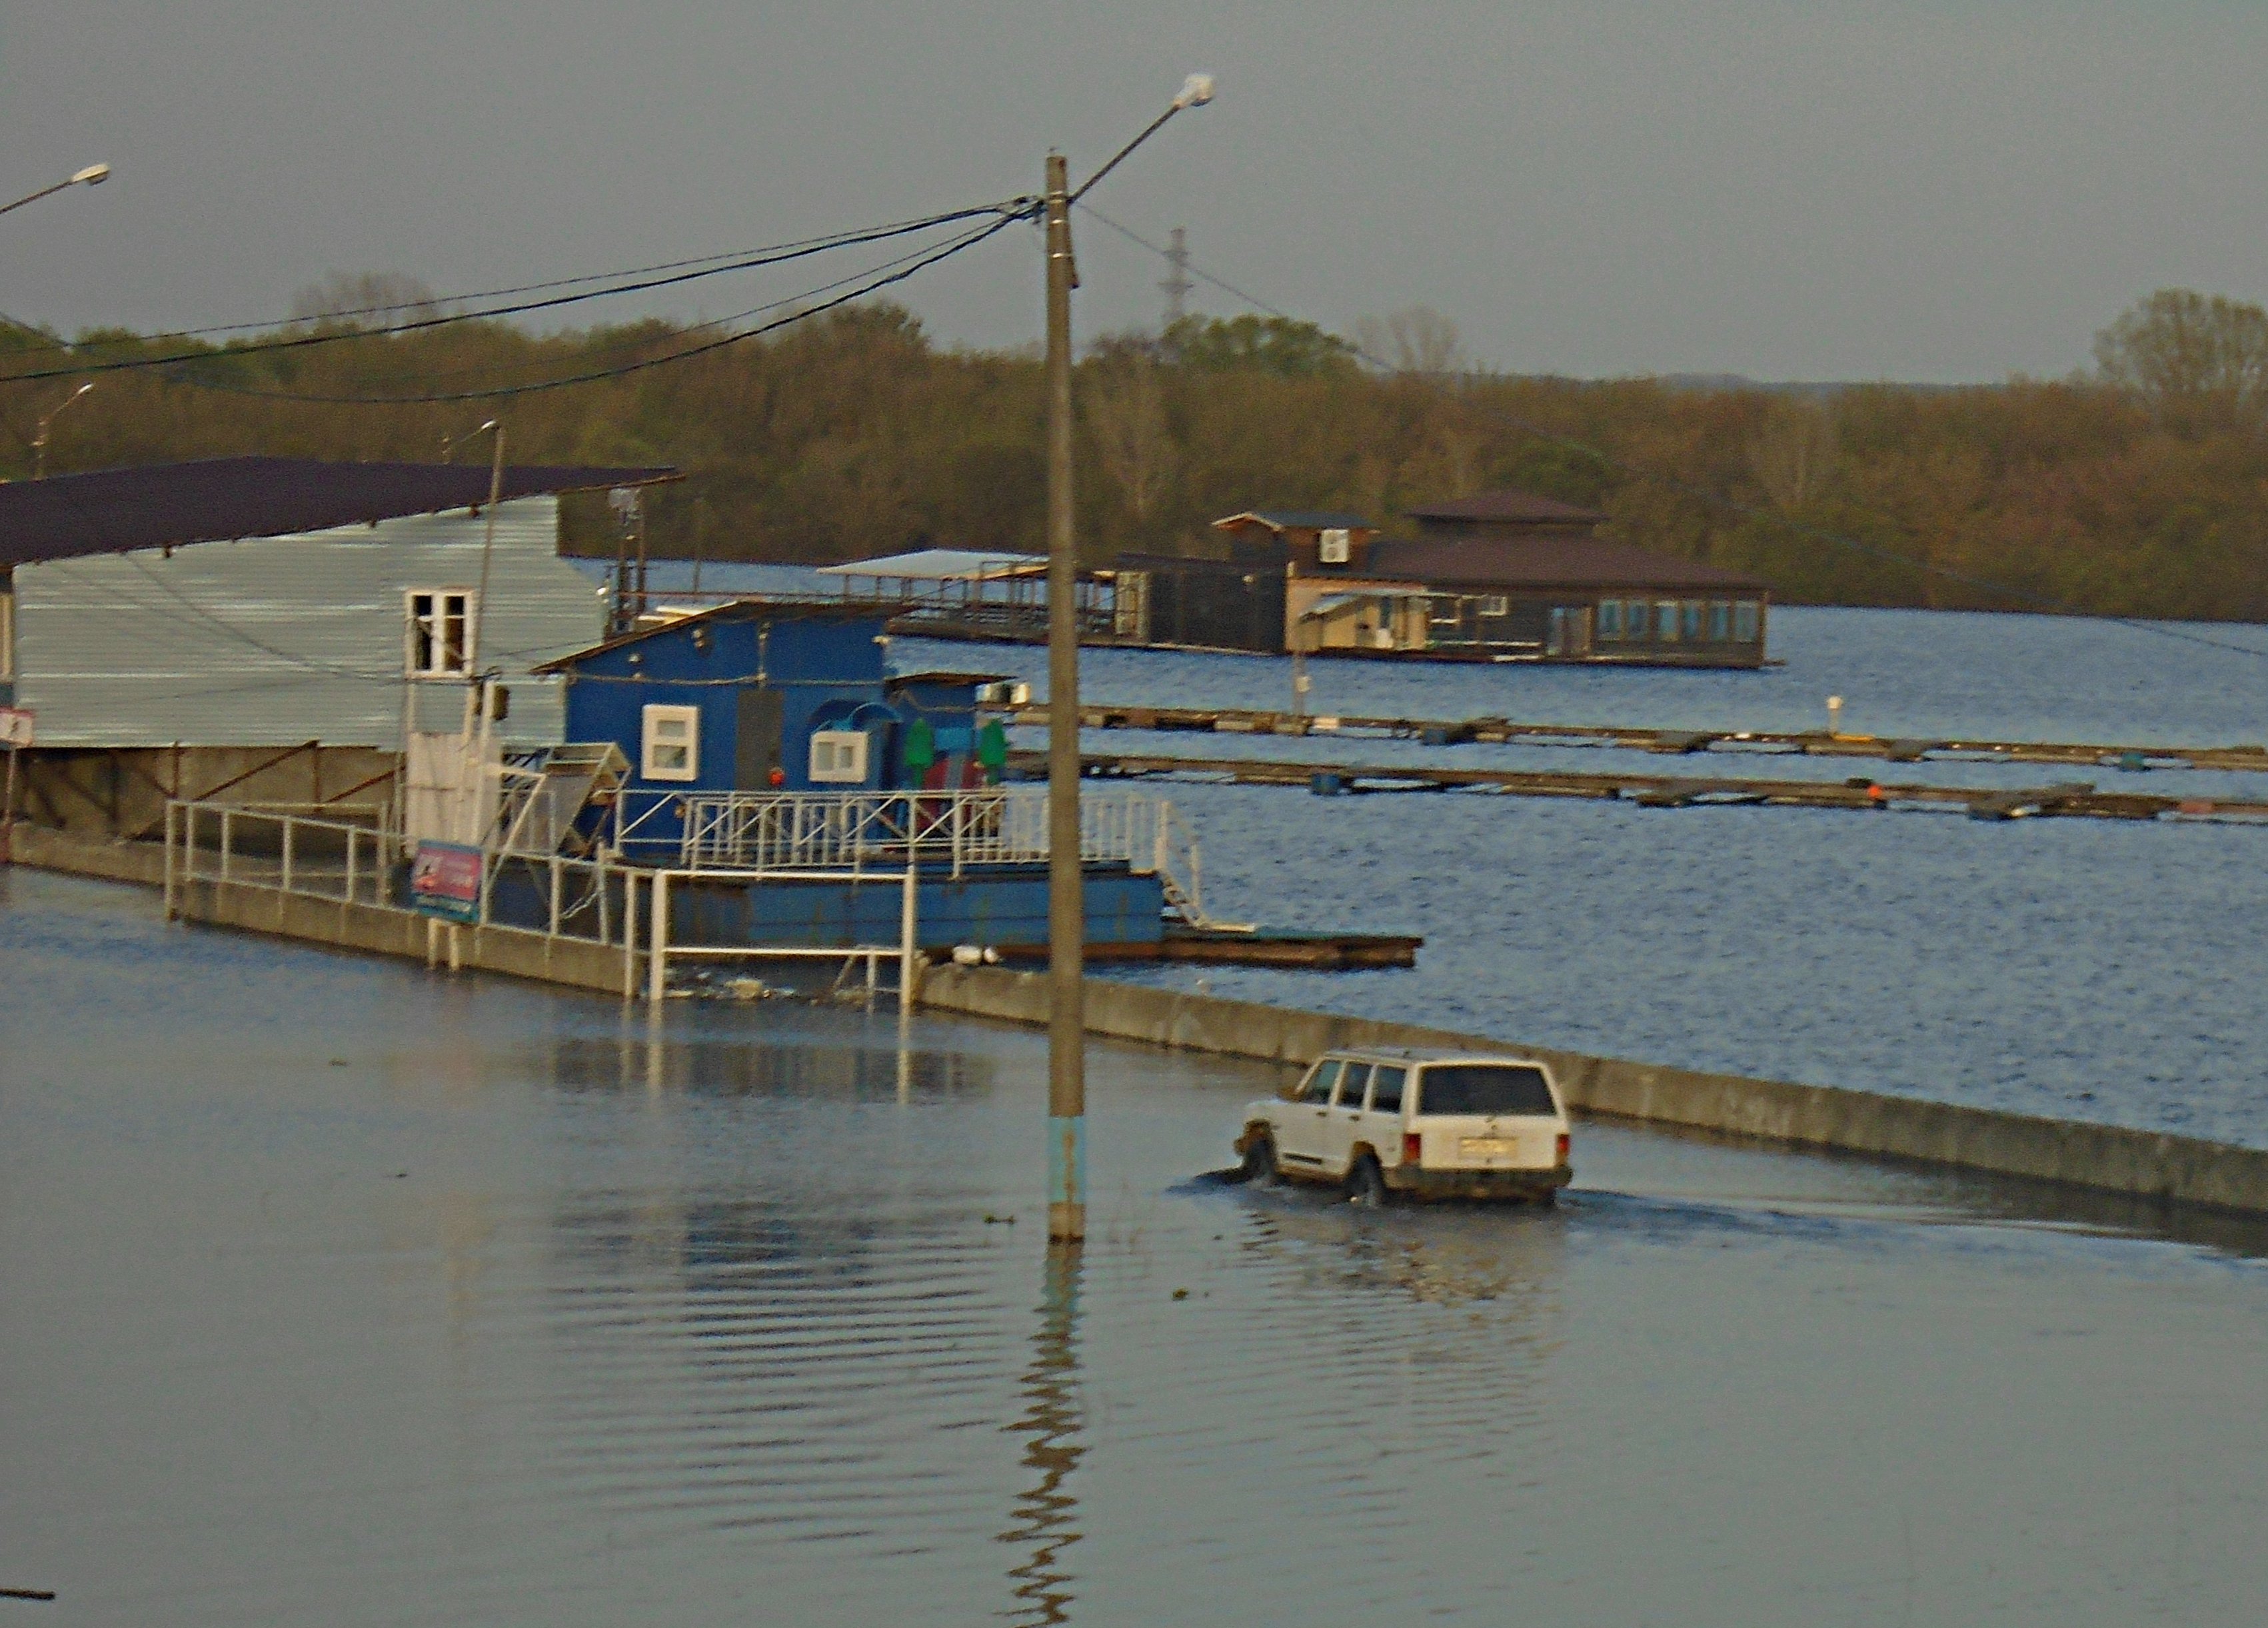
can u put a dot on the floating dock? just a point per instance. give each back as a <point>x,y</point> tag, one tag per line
<point>2067,800</point>
<point>1671,742</point>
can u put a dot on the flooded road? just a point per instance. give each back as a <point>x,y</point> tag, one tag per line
<point>332,1291</point>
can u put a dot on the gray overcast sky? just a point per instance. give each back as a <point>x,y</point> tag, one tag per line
<point>1900,188</point>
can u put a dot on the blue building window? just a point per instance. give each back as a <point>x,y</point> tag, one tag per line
<point>1610,619</point>
<point>1721,622</point>
<point>1745,621</point>
<point>670,743</point>
<point>1665,621</point>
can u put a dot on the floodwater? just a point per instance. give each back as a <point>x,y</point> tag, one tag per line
<point>334,1290</point>
<point>2078,968</point>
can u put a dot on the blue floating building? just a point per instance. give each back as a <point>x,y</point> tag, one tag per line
<point>778,769</point>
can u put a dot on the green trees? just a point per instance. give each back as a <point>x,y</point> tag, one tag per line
<point>2140,490</point>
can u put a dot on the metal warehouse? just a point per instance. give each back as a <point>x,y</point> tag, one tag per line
<point>264,601</point>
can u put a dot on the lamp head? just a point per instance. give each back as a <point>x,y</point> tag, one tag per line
<point>1196,90</point>
<point>93,175</point>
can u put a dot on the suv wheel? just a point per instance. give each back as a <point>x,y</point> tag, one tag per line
<point>1366,1184</point>
<point>1260,1158</point>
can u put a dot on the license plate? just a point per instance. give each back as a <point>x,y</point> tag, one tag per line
<point>1488,1147</point>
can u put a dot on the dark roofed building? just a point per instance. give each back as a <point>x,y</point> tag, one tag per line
<point>1499,576</point>
<point>1529,575</point>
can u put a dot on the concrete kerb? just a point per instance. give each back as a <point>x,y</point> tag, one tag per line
<point>381,930</point>
<point>371,929</point>
<point>2105,1158</point>
<point>2141,1164</point>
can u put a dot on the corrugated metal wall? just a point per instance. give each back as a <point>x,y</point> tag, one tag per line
<point>276,640</point>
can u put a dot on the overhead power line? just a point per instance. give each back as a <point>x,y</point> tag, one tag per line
<point>1699,494</point>
<point>1000,214</point>
<point>874,280</point>
<point>269,324</point>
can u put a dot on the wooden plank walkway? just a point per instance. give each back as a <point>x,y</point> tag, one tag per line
<point>2071,799</point>
<point>1673,742</point>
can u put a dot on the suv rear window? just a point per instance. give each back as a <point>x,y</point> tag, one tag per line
<point>1484,1088</point>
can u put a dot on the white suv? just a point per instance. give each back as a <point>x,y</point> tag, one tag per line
<point>1434,1124</point>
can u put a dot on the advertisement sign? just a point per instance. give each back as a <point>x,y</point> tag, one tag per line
<point>15,726</point>
<point>445,881</point>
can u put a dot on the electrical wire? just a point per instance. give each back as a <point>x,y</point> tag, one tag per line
<point>870,280</point>
<point>448,300</point>
<point>868,284</point>
<point>1703,495</point>
<point>1001,212</point>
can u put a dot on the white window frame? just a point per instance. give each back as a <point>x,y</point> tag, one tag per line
<point>426,650</point>
<point>838,756</point>
<point>1334,545</point>
<point>1495,604</point>
<point>654,742</point>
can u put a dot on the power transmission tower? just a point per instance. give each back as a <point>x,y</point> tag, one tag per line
<point>1178,286</point>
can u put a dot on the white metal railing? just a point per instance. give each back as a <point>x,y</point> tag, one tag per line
<point>858,831</point>
<point>594,900</point>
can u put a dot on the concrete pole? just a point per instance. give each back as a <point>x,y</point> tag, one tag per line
<point>1067,894</point>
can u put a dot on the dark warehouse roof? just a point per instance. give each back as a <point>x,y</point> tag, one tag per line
<point>1508,506</point>
<point>158,506</point>
<point>1549,562</point>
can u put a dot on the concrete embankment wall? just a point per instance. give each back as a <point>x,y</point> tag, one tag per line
<point>370,928</point>
<point>2108,1158</point>
<point>2105,1158</point>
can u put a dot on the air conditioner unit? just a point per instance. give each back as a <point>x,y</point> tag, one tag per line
<point>838,756</point>
<point>1337,546</point>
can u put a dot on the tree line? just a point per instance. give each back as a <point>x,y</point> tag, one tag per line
<point>2139,487</point>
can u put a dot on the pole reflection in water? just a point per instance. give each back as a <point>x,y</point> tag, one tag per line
<point>1043,1518</point>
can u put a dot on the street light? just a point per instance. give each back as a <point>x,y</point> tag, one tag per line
<point>1066,890</point>
<point>93,175</point>
<point>39,441</point>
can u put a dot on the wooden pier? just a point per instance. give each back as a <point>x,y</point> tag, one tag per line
<point>2067,800</point>
<point>1669,742</point>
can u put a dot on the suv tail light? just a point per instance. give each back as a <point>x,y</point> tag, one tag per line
<point>1565,1142</point>
<point>1412,1147</point>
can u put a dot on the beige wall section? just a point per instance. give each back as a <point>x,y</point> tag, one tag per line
<point>1338,629</point>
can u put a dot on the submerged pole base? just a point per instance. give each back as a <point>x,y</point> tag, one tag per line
<point>1067,1177</point>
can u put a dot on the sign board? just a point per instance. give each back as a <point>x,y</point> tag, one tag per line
<point>15,726</point>
<point>445,881</point>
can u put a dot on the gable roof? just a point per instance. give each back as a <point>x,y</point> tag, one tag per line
<point>220,499</point>
<point>731,610</point>
<point>1508,505</point>
<point>1548,561</point>
<point>1297,520</point>
<point>943,565</point>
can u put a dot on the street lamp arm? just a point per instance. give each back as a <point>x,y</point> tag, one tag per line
<point>93,175</point>
<point>1196,90</point>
